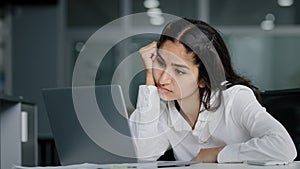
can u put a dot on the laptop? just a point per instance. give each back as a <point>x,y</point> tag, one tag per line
<point>77,145</point>
<point>90,125</point>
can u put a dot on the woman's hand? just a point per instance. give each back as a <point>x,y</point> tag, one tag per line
<point>208,155</point>
<point>149,54</point>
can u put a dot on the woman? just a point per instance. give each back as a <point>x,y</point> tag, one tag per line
<point>194,103</point>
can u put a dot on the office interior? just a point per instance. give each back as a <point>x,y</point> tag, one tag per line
<point>41,40</point>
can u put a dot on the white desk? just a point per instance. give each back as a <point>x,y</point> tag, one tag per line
<point>294,165</point>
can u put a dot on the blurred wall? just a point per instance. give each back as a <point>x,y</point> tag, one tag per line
<point>35,39</point>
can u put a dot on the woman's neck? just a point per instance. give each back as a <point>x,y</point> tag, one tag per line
<point>190,108</point>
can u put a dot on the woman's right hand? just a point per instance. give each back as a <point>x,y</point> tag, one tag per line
<point>149,54</point>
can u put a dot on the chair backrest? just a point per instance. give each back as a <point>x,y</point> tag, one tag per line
<point>284,105</point>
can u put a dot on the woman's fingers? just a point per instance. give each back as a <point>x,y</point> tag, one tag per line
<point>148,54</point>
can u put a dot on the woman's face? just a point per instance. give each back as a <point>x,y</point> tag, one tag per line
<point>175,74</point>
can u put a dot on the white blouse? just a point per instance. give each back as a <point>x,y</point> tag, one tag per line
<point>240,124</point>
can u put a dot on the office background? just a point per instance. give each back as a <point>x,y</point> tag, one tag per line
<point>40,41</point>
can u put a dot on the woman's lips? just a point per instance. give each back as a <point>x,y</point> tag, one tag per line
<point>163,90</point>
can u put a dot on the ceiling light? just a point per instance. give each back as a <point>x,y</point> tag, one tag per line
<point>157,20</point>
<point>154,12</point>
<point>268,23</point>
<point>270,17</point>
<point>151,3</point>
<point>285,3</point>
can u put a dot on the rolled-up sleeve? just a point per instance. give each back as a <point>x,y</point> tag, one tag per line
<point>269,139</point>
<point>150,141</point>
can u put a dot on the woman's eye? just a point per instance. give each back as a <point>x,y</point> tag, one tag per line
<point>179,72</point>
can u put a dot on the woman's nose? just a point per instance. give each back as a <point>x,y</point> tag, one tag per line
<point>165,78</point>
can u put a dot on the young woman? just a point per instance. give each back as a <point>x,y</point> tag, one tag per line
<point>194,103</point>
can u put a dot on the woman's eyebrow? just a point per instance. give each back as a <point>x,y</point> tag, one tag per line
<point>173,64</point>
<point>179,65</point>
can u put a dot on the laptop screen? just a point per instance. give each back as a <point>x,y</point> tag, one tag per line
<point>89,124</point>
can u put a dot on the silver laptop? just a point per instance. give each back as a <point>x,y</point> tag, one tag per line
<point>98,131</point>
<point>108,139</point>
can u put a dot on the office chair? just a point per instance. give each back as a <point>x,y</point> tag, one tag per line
<point>284,105</point>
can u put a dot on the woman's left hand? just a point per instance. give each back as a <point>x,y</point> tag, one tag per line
<point>208,155</point>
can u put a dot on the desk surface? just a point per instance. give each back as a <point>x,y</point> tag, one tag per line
<point>294,165</point>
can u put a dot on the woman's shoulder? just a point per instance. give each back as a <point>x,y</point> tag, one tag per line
<point>234,90</point>
<point>239,94</point>
<point>237,100</point>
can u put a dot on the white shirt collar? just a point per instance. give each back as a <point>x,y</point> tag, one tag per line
<point>175,119</point>
<point>206,119</point>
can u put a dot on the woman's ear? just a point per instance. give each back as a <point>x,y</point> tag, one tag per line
<point>201,84</point>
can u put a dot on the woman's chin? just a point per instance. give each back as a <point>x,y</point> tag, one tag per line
<point>165,98</point>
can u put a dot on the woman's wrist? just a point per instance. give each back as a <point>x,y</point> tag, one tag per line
<point>208,155</point>
<point>149,78</point>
